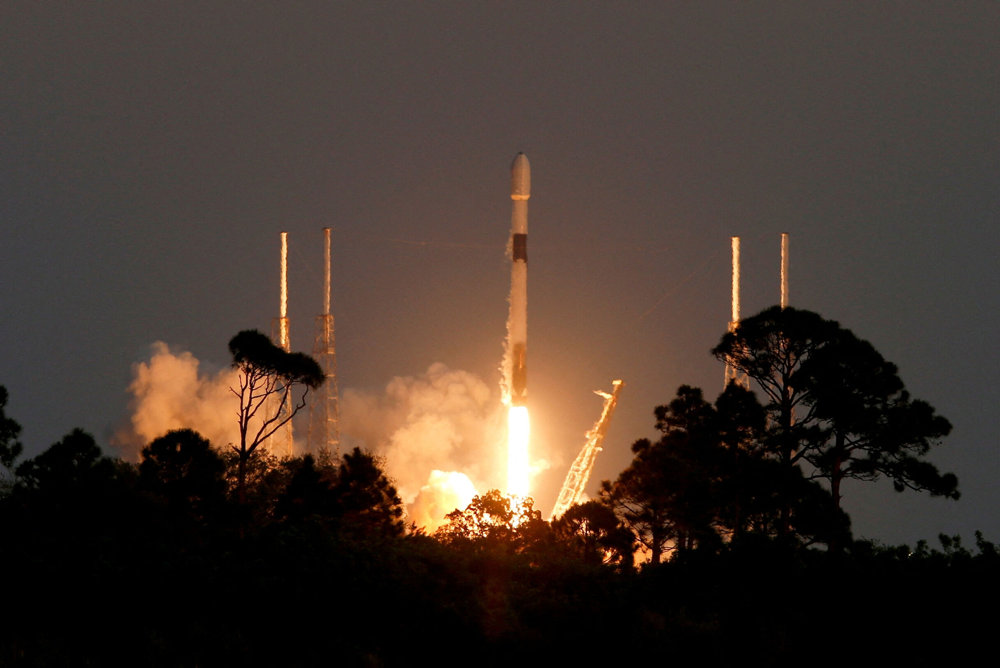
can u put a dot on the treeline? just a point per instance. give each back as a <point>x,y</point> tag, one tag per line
<point>723,542</point>
<point>159,564</point>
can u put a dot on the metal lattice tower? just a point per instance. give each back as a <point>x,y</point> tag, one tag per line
<point>324,410</point>
<point>579,472</point>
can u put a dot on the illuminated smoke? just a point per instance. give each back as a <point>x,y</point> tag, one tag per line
<point>444,492</point>
<point>169,392</point>
<point>428,428</point>
<point>518,466</point>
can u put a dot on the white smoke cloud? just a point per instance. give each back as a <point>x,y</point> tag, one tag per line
<point>441,434</point>
<point>168,392</point>
<point>445,420</point>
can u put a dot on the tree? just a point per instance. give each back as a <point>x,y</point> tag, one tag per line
<point>10,447</point>
<point>833,401</point>
<point>667,495</point>
<point>183,469</point>
<point>307,494</point>
<point>353,497</point>
<point>366,501</point>
<point>874,428</point>
<point>710,479</point>
<point>593,532</point>
<point>268,380</point>
<point>66,468</point>
<point>770,348</point>
<point>495,522</point>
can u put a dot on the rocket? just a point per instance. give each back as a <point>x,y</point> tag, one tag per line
<point>517,335</point>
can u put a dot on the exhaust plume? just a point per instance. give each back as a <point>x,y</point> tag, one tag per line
<point>428,428</point>
<point>170,392</point>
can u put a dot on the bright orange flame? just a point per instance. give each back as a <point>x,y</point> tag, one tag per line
<point>444,492</point>
<point>518,435</point>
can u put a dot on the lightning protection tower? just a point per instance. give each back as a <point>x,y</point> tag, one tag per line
<point>734,375</point>
<point>281,442</point>
<point>324,411</point>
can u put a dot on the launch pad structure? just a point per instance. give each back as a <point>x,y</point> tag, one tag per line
<point>282,444</point>
<point>324,411</point>
<point>732,374</point>
<point>583,465</point>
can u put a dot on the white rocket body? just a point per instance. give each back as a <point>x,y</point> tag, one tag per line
<point>517,336</point>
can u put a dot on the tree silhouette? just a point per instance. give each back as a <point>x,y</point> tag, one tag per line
<point>366,499</point>
<point>833,401</point>
<point>593,532</point>
<point>710,479</point>
<point>268,378</point>
<point>353,497</point>
<point>66,468</point>
<point>308,492</point>
<point>665,496</point>
<point>495,522</point>
<point>10,447</point>
<point>874,428</point>
<point>183,469</point>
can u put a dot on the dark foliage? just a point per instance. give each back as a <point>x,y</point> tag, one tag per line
<point>837,410</point>
<point>268,380</point>
<point>10,447</point>
<point>189,559</point>
<point>183,472</point>
<point>710,479</point>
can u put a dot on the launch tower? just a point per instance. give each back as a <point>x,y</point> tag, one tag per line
<point>784,270</point>
<point>579,472</point>
<point>733,375</point>
<point>324,411</point>
<point>282,441</point>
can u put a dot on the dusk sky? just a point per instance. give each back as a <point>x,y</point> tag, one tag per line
<point>152,152</point>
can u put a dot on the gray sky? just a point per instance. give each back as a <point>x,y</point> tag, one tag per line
<point>150,154</point>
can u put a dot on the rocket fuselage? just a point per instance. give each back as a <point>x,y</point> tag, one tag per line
<point>520,191</point>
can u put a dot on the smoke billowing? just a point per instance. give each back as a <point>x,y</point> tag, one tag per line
<point>169,392</point>
<point>440,433</point>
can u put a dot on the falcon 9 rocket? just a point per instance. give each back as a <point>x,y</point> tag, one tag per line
<point>520,191</point>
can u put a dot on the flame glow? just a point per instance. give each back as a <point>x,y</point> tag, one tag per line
<point>518,435</point>
<point>444,492</point>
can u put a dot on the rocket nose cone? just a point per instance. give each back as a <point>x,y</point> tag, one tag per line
<point>520,177</point>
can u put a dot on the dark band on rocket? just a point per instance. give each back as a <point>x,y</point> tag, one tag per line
<point>520,247</point>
